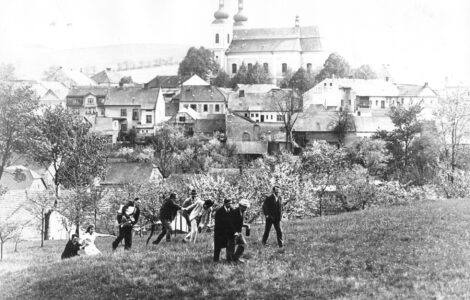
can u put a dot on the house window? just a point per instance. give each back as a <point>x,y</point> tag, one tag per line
<point>331,83</point>
<point>234,68</point>
<point>194,107</point>
<point>228,38</point>
<point>205,108</point>
<point>284,68</point>
<point>279,118</point>
<point>123,127</point>
<point>217,108</point>
<point>256,115</point>
<point>123,112</point>
<point>185,106</point>
<point>376,102</point>
<point>246,115</point>
<point>250,66</point>
<point>135,115</point>
<point>266,67</point>
<point>182,119</point>
<point>382,104</point>
<point>90,101</point>
<point>149,119</point>
<point>324,84</point>
<point>241,93</point>
<point>309,67</point>
<point>216,38</point>
<point>252,115</point>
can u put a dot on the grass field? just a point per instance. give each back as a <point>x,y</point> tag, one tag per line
<point>421,251</point>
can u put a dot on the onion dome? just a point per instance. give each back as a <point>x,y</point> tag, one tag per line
<point>239,18</point>
<point>221,14</point>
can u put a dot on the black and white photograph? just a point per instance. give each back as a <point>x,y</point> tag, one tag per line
<point>234,149</point>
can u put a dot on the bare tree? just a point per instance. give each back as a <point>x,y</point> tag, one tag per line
<point>39,204</point>
<point>287,103</point>
<point>10,229</point>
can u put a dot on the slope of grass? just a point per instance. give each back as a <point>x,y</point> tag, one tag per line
<point>417,251</point>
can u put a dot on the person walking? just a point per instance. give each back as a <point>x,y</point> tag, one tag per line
<point>272,209</point>
<point>168,213</point>
<point>127,218</point>
<point>199,211</point>
<point>224,231</point>
<point>188,202</point>
<point>238,220</point>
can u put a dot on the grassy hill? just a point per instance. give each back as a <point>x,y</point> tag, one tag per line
<point>417,251</point>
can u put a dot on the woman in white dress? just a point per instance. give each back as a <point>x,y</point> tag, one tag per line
<point>88,240</point>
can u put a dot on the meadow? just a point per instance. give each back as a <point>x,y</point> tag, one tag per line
<point>418,251</point>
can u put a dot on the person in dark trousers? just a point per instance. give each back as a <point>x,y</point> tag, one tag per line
<point>167,215</point>
<point>224,231</point>
<point>238,220</point>
<point>188,202</point>
<point>72,247</point>
<point>128,217</point>
<point>272,209</point>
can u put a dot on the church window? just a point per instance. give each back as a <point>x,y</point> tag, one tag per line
<point>266,67</point>
<point>234,68</point>
<point>228,38</point>
<point>376,102</point>
<point>284,68</point>
<point>216,38</point>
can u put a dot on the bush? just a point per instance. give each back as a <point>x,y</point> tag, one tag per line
<point>454,186</point>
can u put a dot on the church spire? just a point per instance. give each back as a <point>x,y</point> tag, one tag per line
<point>240,18</point>
<point>221,15</point>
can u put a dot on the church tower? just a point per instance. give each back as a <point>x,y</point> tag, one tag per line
<point>239,18</point>
<point>221,34</point>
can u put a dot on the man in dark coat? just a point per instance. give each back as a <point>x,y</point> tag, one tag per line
<point>72,247</point>
<point>272,209</point>
<point>224,231</point>
<point>128,217</point>
<point>167,215</point>
<point>238,219</point>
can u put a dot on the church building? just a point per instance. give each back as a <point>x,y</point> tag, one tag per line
<point>276,49</point>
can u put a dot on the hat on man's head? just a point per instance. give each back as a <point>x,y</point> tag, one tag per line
<point>172,195</point>
<point>276,186</point>
<point>193,192</point>
<point>244,203</point>
<point>227,200</point>
<point>136,199</point>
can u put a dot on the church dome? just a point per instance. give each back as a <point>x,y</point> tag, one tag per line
<point>240,17</point>
<point>221,14</point>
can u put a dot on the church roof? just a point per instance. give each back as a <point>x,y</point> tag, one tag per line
<point>276,39</point>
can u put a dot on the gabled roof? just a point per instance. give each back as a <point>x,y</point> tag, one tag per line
<point>82,91</point>
<point>195,81</point>
<point>315,122</point>
<point>71,77</point>
<point>107,76</point>
<point>22,160</point>
<point>372,124</point>
<point>301,39</point>
<point>167,82</point>
<point>412,90</point>
<point>43,87</point>
<point>201,94</point>
<point>124,172</point>
<point>18,178</point>
<point>146,98</point>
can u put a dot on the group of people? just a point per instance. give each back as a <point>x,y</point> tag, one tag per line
<point>228,224</point>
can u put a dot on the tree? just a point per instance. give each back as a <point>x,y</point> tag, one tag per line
<point>287,104</point>
<point>286,77</point>
<point>125,80</point>
<point>241,77</point>
<point>407,127</point>
<point>7,72</point>
<point>343,124</point>
<point>257,75</point>
<point>222,79</point>
<point>17,106</point>
<point>335,65</point>
<point>452,120</point>
<point>167,144</point>
<point>364,72</point>
<point>200,62</point>
<point>10,228</point>
<point>371,154</point>
<point>39,205</point>
<point>302,80</point>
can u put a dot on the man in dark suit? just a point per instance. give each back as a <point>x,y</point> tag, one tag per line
<point>224,231</point>
<point>272,209</point>
<point>129,216</point>
<point>72,247</point>
<point>238,219</point>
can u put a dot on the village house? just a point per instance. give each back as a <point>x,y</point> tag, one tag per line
<point>412,94</point>
<point>107,77</point>
<point>276,49</point>
<point>50,93</point>
<point>70,78</point>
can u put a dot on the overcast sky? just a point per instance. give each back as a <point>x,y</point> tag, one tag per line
<point>421,39</point>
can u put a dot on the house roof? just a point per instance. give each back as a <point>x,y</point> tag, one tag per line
<point>71,77</point>
<point>195,81</point>
<point>305,39</point>
<point>366,87</point>
<point>412,90</point>
<point>125,172</point>
<point>18,178</point>
<point>167,82</point>
<point>319,121</point>
<point>43,87</point>
<point>372,124</point>
<point>81,91</point>
<point>22,160</point>
<point>251,101</point>
<point>255,88</point>
<point>201,94</point>
<point>107,76</point>
<point>146,98</point>
<point>252,147</point>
